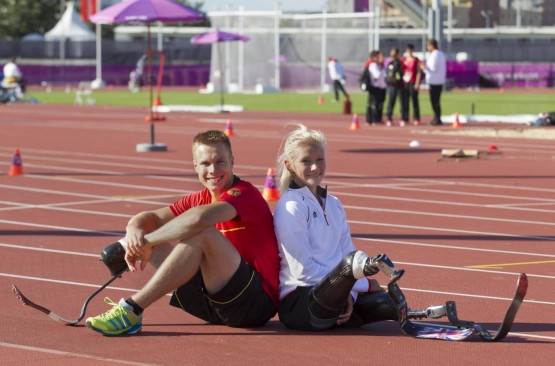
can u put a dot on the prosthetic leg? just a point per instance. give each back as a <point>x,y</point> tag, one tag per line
<point>328,298</point>
<point>113,256</point>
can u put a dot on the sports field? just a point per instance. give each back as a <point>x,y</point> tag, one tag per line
<point>463,229</point>
<point>486,101</point>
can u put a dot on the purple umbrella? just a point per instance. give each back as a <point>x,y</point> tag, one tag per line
<point>146,12</point>
<point>218,36</point>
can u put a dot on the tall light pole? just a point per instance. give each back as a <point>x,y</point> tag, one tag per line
<point>98,82</point>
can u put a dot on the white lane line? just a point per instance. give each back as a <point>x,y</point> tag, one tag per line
<point>41,279</point>
<point>65,228</point>
<point>57,251</point>
<point>466,217</point>
<point>475,296</point>
<point>448,230</point>
<point>9,275</point>
<point>402,242</point>
<point>104,360</point>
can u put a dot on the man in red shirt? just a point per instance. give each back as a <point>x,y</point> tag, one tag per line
<point>216,249</point>
<point>412,77</point>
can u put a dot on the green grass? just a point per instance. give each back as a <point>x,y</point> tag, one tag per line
<point>485,102</point>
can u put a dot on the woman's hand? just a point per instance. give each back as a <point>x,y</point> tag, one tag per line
<point>344,318</point>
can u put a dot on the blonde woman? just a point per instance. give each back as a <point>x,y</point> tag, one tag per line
<point>323,278</point>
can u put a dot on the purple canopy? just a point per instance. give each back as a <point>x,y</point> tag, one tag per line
<point>217,36</point>
<point>146,11</point>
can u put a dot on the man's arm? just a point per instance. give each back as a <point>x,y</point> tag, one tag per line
<point>191,222</point>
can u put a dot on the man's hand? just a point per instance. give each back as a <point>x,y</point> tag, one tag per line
<point>132,255</point>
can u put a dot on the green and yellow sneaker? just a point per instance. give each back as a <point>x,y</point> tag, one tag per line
<point>116,321</point>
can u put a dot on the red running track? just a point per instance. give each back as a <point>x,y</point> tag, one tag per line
<point>462,230</point>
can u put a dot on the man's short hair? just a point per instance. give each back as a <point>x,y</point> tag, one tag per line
<point>211,138</point>
<point>410,46</point>
<point>433,42</point>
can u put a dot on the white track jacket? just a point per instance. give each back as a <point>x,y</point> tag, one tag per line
<point>312,239</point>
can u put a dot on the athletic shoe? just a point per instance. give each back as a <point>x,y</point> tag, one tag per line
<point>416,122</point>
<point>116,321</point>
<point>402,123</point>
<point>388,123</point>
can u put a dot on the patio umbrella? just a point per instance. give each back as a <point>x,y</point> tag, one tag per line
<point>218,36</point>
<point>147,12</point>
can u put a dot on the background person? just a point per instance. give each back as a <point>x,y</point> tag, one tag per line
<point>412,77</point>
<point>395,88</point>
<point>376,93</point>
<point>13,75</point>
<point>337,75</point>
<point>224,266</point>
<point>436,71</point>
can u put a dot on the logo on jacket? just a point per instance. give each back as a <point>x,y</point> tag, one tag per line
<point>314,214</point>
<point>234,192</point>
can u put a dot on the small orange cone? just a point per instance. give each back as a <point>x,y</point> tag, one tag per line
<point>17,166</point>
<point>457,123</point>
<point>270,192</point>
<point>320,99</point>
<point>354,124</point>
<point>228,128</point>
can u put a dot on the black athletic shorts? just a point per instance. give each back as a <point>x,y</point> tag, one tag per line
<point>295,313</point>
<point>242,302</point>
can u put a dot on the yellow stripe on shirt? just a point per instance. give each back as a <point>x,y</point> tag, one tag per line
<point>234,229</point>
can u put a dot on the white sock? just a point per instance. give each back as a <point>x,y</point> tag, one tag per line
<point>125,305</point>
<point>359,261</point>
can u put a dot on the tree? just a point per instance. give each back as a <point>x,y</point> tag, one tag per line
<point>21,17</point>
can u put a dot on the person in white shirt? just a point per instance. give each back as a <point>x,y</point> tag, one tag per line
<point>337,76</point>
<point>377,90</point>
<point>323,278</point>
<point>436,71</point>
<point>12,75</point>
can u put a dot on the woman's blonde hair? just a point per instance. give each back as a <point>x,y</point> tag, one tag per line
<point>300,137</point>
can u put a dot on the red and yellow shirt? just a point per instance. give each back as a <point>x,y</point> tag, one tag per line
<point>251,232</point>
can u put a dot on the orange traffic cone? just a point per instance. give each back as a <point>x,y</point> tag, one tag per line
<point>228,128</point>
<point>354,124</point>
<point>457,123</point>
<point>320,99</point>
<point>17,166</point>
<point>270,192</point>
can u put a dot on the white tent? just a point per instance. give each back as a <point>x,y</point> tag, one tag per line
<point>70,26</point>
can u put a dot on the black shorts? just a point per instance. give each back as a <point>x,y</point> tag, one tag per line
<point>295,313</point>
<point>242,302</point>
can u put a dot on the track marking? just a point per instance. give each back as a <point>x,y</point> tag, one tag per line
<point>5,245</point>
<point>21,223</point>
<point>501,265</point>
<point>430,228</point>
<point>72,354</point>
<point>403,242</point>
<point>466,217</point>
<point>169,294</point>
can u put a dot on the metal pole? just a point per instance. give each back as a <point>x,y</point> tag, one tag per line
<point>98,82</point>
<point>323,50</point>
<point>370,25</point>
<point>149,76</point>
<point>241,53</point>
<point>277,76</point>
<point>377,14</point>
<point>450,26</point>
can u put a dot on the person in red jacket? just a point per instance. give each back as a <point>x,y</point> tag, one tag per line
<point>215,249</point>
<point>412,78</point>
